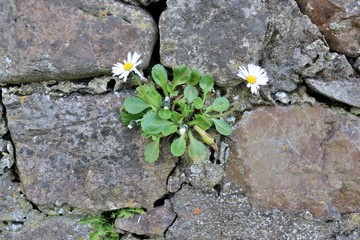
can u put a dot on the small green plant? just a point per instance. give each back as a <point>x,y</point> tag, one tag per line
<point>166,107</point>
<point>104,224</point>
<point>179,106</point>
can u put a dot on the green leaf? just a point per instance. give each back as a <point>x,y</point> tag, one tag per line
<point>178,146</point>
<point>181,75</point>
<point>152,151</point>
<point>150,95</point>
<point>97,235</point>
<point>164,113</point>
<point>222,127</point>
<point>220,104</point>
<point>190,93</point>
<point>198,103</point>
<point>195,76</point>
<point>169,130</point>
<point>153,124</point>
<point>201,121</point>
<point>126,117</point>
<point>206,84</point>
<point>129,212</point>
<point>196,150</point>
<point>185,109</point>
<point>175,117</point>
<point>159,75</point>
<point>135,105</point>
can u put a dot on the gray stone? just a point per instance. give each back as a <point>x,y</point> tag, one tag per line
<point>337,68</point>
<point>338,20</point>
<point>230,216</point>
<point>227,35</point>
<point>65,40</point>
<point>214,36</point>
<point>55,228</point>
<point>343,91</point>
<point>298,158</point>
<point>153,223</point>
<point>74,150</point>
<point>296,49</point>
<point>349,223</point>
<point>14,206</point>
<point>7,151</point>
<point>205,175</point>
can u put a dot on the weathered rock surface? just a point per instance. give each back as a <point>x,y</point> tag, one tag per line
<point>13,204</point>
<point>338,20</point>
<point>215,36</point>
<point>51,228</point>
<point>230,216</point>
<point>7,155</point>
<point>298,158</point>
<point>343,91</point>
<point>42,40</point>
<point>260,32</point>
<point>153,223</point>
<point>205,175</point>
<point>74,150</point>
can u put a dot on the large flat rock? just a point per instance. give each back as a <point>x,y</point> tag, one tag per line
<point>298,158</point>
<point>42,40</point>
<point>209,216</point>
<point>74,150</point>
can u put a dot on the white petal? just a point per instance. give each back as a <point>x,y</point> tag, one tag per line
<point>135,58</point>
<point>138,73</point>
<point>129,57</point>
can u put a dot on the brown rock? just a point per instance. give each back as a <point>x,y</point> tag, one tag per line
<point>338,20</point>
<point>74,150</point>
<point>42,40</point>
<point>298,158</point>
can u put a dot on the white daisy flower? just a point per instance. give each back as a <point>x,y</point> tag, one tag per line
<point>255,76</point>
<point>129,65</point>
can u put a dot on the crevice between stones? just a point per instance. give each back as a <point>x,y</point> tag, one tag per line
<point>155,9</point>
<point>327,101</point>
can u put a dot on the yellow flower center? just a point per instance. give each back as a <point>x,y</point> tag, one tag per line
<point>251,79</point>
<point>128,66</point>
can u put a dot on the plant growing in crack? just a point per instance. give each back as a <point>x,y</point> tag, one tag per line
<point>179,106</point>
<point>103,224</point>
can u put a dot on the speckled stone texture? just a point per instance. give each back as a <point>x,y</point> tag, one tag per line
<point>63,40</point>
<point>215,36</point>
<point>260,33</point>
<point>55,228</point>
<point>298,158</point>
<point>153,223</point>
<point>208,216</point>
<point>344,91</point>
<point>74,150</point>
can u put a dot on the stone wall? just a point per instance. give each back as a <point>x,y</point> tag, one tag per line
<point>290,170</point>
